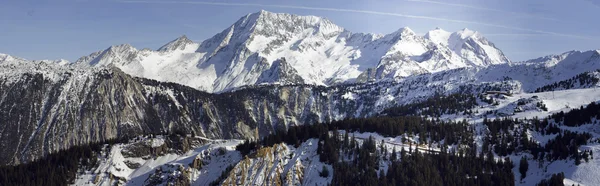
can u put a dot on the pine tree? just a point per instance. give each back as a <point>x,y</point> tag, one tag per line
<point>523,166</point>
<point>394,156</point>
<point>346,142</point>
<point>324,172</point>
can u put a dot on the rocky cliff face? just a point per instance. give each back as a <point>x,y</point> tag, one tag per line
<point>278,165</point>
<point>40,115</point>
<point>281,73</point>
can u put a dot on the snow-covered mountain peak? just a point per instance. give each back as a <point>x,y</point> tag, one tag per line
<point>178,44</point>
<point>405,31</point>
<point>595,52</point>
<point>452,39</point>
<point>58,61</point>
<point>465,32</point>
<point>438,36</point>
<point>550,59</point>
<point>569,61</point>
<point>17,60</point>
<point>5,57</point>
<point>121,48</point>
<point>270,24</point>
<point>25,65</point>
<point>116,55</point>
<point>316,51</point>
<point>401,35</point>
<point>10,58</point>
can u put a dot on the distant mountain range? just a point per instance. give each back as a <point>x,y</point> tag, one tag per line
<point>279,48</point>
<point>316,51</point>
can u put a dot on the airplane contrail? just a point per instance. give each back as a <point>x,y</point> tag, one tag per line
<point>357,11</point>
<point>483,8</point>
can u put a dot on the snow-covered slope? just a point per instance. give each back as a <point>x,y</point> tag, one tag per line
<point>199,164</point>
<point>318,51</point>
<point>585,173</point>
<point>173,62</point>
<point>204,163</point>
<point>546,70</point>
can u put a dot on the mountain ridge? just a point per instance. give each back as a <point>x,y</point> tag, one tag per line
<point>321,52</point>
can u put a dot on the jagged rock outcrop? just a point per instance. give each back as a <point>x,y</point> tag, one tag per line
<point>160,146</point>
<point>171,175</point>
<point>280,164</point>
<point>267,163</point>
<point>282,73</point>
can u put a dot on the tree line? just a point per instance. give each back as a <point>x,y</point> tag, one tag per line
<point>583,80</point>
<point>58,168</point>
<point>429,131</point>
<point>436,106</point>
<point>507,136</point>
<point>364,163</point>
<point>578,116</point>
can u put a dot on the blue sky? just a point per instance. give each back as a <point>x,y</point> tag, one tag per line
<point>69,29</point>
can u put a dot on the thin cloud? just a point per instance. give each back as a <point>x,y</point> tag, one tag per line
<point>357,11</point>
<point>484,8</point>
<point>516,34</point>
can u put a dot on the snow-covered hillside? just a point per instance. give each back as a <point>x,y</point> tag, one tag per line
<point>136,163</point>
<point>272,71</point>
<point>542,105</point>
<point>203,164</point>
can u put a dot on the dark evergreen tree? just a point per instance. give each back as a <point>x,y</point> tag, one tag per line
<point>555,180</point>
<point>394,156</point>
<point>523,167</point>
<point>324,172</point>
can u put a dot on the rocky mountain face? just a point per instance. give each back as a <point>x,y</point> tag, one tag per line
<point>47,107</point>
<point>281,73</point>
<point>315,50</point>
<point>279,165</point>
